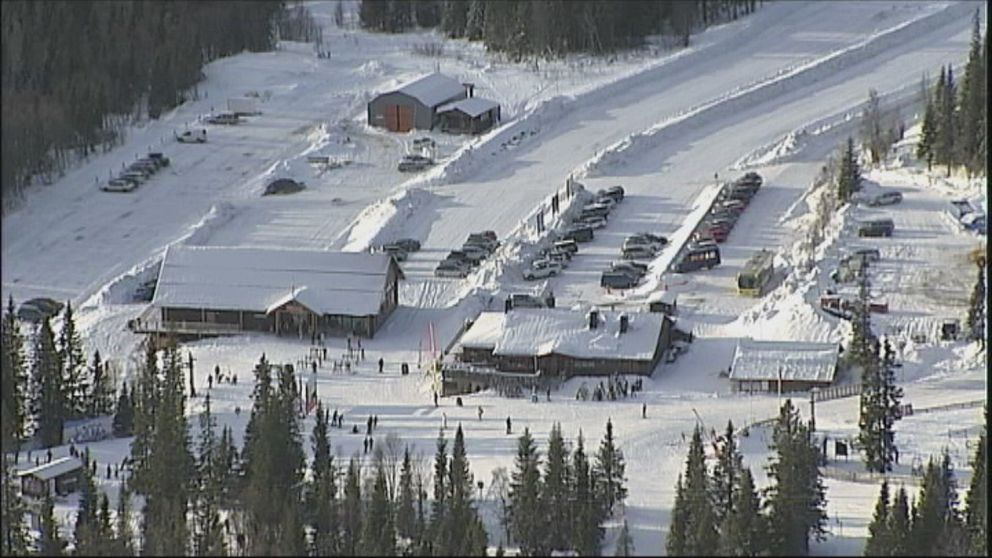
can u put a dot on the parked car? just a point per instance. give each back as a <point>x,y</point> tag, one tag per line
<point>705,256</point>
<point>566,245</point>
<point>716,233</point>
<point>399,254</point>
<point>594,221</point>
<point>615,192</point>
<point>283,186</point>
<point>542,269</point>
<point>877,227</point>
<point>750,179</point>
<point>975,222</point>
<point>476,239</point>
<point>887,198</point>
<point>600,209</point>
<point>635,241</point>
<point>578,233</point>
<point>159,158</point>
<point>136,177</point>
<point>523,300</point>
<point>616,280</point>
<point>410,163</point>
<point>193,136</point>
<point>564,258</point>
<point>471,257</point>
<point>227,118</point>
<point>636,267</point>
<point>638,252</point>
<point>735,206</point>
<point>475,253</point>
<point>118,185</point>
<point>629,272</point>
<point>408,244</point>
<point>609,201</point>
<point>491,235</point>
<point>146,170</point>
<point>656,238</point>
<point>449,268</point>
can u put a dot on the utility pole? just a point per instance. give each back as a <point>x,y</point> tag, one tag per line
<point>192,388</point>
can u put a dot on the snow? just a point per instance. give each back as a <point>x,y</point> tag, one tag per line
<point>473,106</point>
<point>778,360</point>
<point>775,92</point>
<point>55,468</point>
<point>260,279</point>
<point>545,331</point>
<point>433,89</point>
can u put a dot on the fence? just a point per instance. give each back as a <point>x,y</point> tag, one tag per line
<point>836,392</point>
<point>951,407</point>
<point>866,477</point>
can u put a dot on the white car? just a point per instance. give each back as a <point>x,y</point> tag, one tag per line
<point>641,242</point>
<point>542,269</point>
<point>450,269</point>
<point>638,252</point>
<point>118,185</point>
<point>593,221</point>
<point>193,136</point>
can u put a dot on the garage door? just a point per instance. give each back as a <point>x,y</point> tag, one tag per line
<point>399,118</point>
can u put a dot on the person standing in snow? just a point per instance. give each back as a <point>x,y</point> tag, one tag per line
<point>480,412</point>
<point>444,421</point>
<point>381,362</point>
<point>644,410</point>
<point>435,399</point>
<point>509,427</point>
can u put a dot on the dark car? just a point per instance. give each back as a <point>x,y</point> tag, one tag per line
<point>615,192</point>
<point>617,280</point>
<point>750,179</point>
<point>698,257</point>
<point>878,227</point>
<point>283,186</point>
<point>159,158</point>
<point>408,244</point>
<point>579,233</point>
<point>566,245</point>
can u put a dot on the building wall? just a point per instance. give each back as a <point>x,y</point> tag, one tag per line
<point>771,386</point>
<point>423,115</point>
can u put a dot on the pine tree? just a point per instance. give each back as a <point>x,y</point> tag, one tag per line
<point>475,19</point>
<point>556,494</point>
<point>726,475</point>
<point>49,404</point>
<point>625,543</point>
<point>796,498</point>
<point>439,507</point>
<point>879,538</point>
<point>975,322</point>
<point>862,350</point>
<point>14,382</point>
<point>73,366</point>
<point>208,538</point>
<point>945,146</point>
<point>124,545</point>
<point>609,470</point>
<point>101,396</point>
<point>124,413</point>
<point>85,533</point>
<point>169,467</point>
<point>972,104</point>
<point>936,526</point>
<point>849,177</point>
<point>106,542</point>
<point>526,514</point>
<point>928,134</point>
<point>463,529</point>
<point>145,403</point>
<point>406,515</point>
<point>976,502</point>
<point>898,525</point>
<point>699,518</point>
<point>323,491</point>
<point>586,533</point>
<point>50,542</point>
<point>379,536</point>
<point>873,434</point>
<point>12,510</point>
<point>744,531</point>
<point>873,134</point>
<point>351,516</point>
<point>677,542</point>
<point>454,14</point>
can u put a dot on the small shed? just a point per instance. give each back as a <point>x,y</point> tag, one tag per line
<point>414,105</point>
<point>55,478</point>
<point>474,115</point>
<point>785,366</point>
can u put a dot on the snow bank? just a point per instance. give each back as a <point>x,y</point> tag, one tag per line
<point>744,97</point>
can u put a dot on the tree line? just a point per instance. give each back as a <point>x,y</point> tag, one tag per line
<point>76,73</point>
<point>205,496</point>
<point>955,122</point>
<point>551,28</point>
<point>933,523</point>
<point>720,511</point>
<point>57,384</point>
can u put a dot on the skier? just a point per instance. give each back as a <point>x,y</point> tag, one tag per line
<point>365,445</point>
<point>435,399</point>
<point>644,410</point>
<point>363,352</point>
<point>549,394</point>
<point>375,421</point>
<point>480,412</point>
<point>334,418</point>
<point>380,361</point>
<point>369,425</point>
<point>509,427</point>
<point>444,421</point>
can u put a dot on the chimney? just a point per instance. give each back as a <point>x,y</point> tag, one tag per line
<point>593,319</point>
<point>469,89</point>
<point>624,323</point>
<point>508,305</point>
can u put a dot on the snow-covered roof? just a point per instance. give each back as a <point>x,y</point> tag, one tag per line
<point>262,279</point>
<point>665,297</point>
<point>543,331</point>
<point>433,89</point>
<point>56,468</point>
<point>473,106</point>
<point>797,361</point>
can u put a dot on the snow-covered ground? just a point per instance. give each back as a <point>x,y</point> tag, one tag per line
<point>774,92</point>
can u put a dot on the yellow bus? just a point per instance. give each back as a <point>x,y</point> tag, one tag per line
<point>756,275</point>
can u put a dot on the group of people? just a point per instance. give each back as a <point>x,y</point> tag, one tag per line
<point>219,377</point>
<point>616,387</point>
